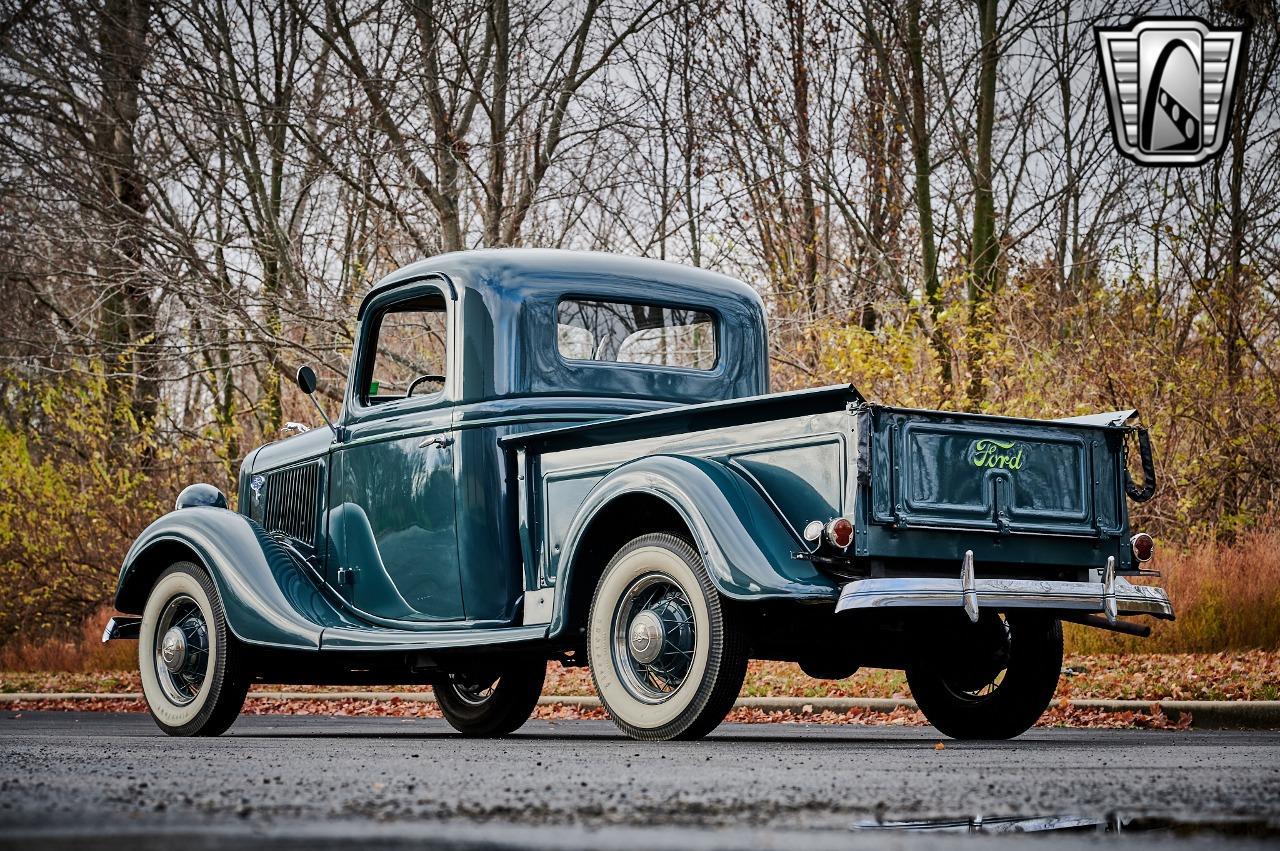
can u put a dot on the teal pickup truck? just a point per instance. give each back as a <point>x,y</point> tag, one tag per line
<point>547,455</point>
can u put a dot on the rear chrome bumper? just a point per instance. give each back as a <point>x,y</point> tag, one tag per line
<point>1113,596</point>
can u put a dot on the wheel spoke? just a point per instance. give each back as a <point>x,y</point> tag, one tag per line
<point>182,650</point>
<point>657,610</point>
<point>474,689</point>
<point>977,690</point>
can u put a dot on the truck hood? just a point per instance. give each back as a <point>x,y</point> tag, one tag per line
<point>290,450</point>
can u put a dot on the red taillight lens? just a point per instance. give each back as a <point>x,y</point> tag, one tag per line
<point>1143,546</point>
<point>840,532</point>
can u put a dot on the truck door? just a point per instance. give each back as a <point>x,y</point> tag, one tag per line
<point>392,523</point>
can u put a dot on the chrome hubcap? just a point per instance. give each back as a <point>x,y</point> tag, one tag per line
<point>653,638</point>
<point>173,650</point>
<point>646,637</point>
<point>181,650</point>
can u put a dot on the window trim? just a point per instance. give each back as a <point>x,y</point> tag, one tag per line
<point>717,322</point>
<point>372,323</point>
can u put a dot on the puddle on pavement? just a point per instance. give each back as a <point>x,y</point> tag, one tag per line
<point>1111,824</point>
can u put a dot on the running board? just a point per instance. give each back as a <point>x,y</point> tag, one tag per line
<point>375,638</point>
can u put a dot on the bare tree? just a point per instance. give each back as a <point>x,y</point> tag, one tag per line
<point>74,99</point>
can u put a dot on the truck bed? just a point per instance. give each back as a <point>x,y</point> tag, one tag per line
<point>1037,498</point>
<point>680,419</point>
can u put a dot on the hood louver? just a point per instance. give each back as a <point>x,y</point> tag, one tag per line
<point>290,504</point>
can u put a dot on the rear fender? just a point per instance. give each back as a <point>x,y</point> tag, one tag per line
<point>268,597</point>
<point>746,546</point>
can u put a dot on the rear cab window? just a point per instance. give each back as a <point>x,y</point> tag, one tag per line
<point>637,333</point>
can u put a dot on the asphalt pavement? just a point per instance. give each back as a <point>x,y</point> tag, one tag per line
<point>71,780</point>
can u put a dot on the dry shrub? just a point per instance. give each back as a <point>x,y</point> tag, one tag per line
<point>1227,597</point>
<point>79,479</point>
<point>84,654</point>
<point>1105,348</point>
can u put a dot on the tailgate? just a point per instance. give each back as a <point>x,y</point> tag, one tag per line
<point>983,473</point>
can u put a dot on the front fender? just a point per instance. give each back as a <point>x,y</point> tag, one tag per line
<point>268,597</point>
<point>746,546</point>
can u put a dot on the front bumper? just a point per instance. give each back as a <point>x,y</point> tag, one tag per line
<point>1114,596</point>
<point>119,627</point>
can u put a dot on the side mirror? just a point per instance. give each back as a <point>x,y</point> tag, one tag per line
<point>307,383</point>
<point>306,380</point>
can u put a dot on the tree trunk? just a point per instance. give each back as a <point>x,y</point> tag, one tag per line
<point>129,322</point>
<point>985,250</point>
<point>922,156</point>
<point>804,153</point>
<point>495,201</point>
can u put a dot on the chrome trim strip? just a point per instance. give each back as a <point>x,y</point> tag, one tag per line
<point>1127,598</point>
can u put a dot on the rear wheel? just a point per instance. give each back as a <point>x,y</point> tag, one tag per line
<point>191,667</point>
<point>996,678</point>
<point>491,702</point>
<point>667,657</point>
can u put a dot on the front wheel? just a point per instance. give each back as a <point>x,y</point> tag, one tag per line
<point>993,680</point>
<point>666,655</point>
<point>491,702</point>
<point>192,670</point>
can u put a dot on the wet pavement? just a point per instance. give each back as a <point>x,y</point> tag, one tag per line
<point>320,782</point>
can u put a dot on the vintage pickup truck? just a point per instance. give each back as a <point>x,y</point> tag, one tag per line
<point>547,455</point>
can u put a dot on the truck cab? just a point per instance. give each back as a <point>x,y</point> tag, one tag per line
<point>451,356</point>
<point>573,456</point>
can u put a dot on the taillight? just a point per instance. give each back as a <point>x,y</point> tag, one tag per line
<point>840,532</point>
<point>1144,547</point>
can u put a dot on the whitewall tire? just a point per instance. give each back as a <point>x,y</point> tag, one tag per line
<point>666,655</point>
<point>191,667</point>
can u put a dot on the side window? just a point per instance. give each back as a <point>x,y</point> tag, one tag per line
<point>409,351</point>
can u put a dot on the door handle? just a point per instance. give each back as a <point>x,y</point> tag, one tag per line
<point>439,441</point>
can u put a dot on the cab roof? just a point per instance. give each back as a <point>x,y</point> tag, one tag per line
<point>538,271</point>
<point>506,313</point>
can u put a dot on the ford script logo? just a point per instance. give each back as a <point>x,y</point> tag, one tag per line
<point>1170,83</point>
<point>1004,455</point>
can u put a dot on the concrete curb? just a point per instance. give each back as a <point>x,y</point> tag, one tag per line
<point>1208,714</point>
